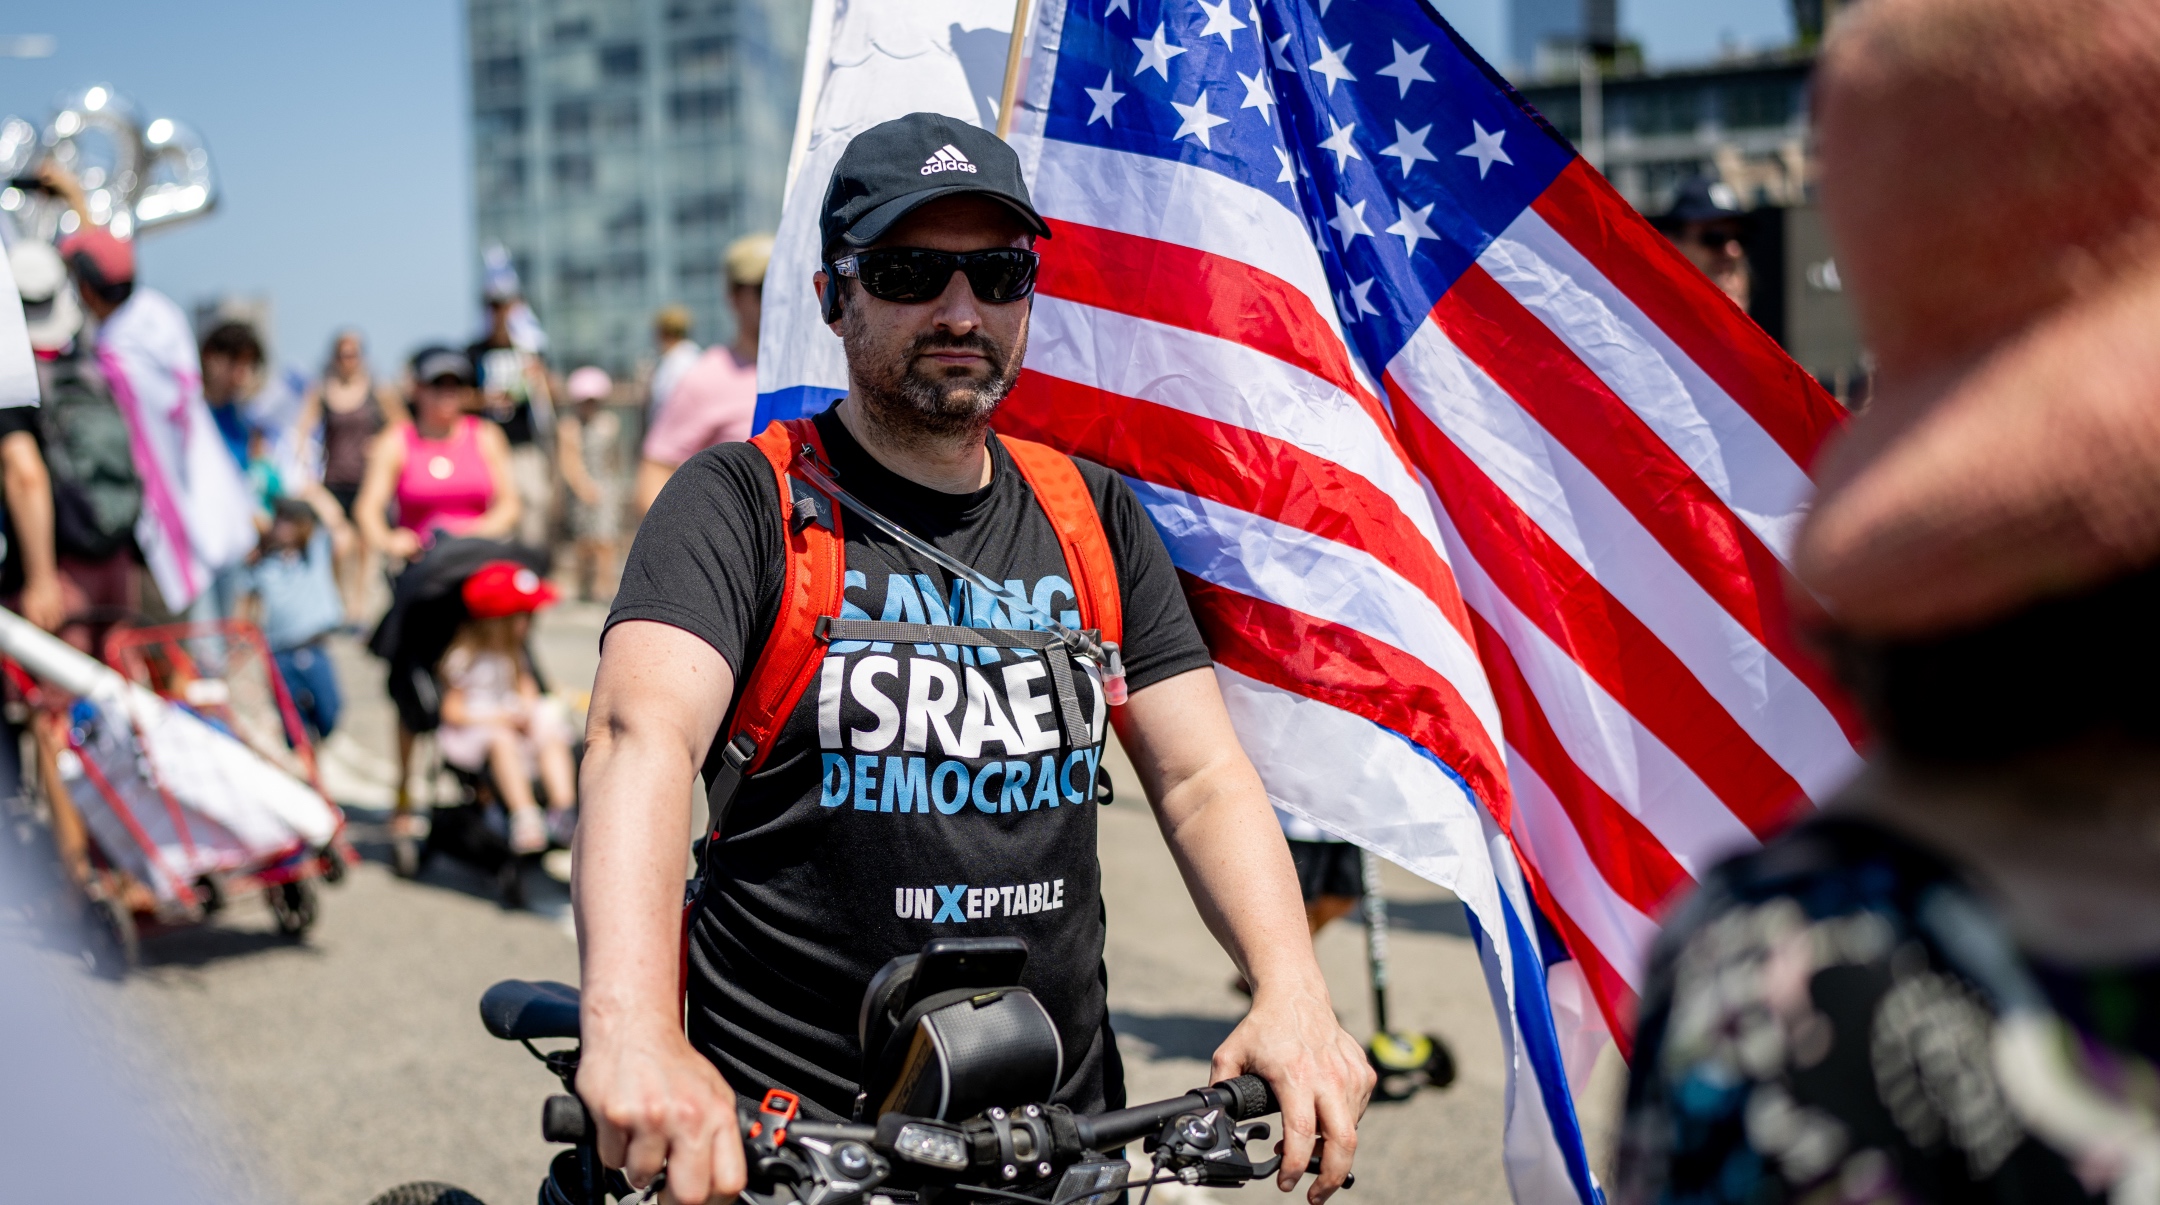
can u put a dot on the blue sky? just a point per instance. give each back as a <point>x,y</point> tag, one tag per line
<point>339,141</point>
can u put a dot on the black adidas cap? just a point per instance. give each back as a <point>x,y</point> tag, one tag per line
<point>891,169</point>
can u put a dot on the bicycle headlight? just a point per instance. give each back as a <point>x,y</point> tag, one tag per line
<point>932,1146</point>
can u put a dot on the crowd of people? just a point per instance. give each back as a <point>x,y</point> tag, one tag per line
<point>153,472</point>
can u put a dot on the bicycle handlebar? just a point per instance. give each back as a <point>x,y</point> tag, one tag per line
<point>565,1119</point>
<point>1243,1098</point>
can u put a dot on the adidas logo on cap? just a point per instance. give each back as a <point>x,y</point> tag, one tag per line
<point>947,159</point>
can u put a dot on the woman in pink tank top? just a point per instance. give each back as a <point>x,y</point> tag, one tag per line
<point>444,471</point>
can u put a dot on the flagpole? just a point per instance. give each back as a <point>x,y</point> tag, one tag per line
<point>817,63</point>
<point>1012,69</point>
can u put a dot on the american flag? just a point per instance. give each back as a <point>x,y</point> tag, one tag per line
<point>1480,492</point>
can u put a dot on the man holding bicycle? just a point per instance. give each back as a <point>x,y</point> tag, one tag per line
<point>915,790</point>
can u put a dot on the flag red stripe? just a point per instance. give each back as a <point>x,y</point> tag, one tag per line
<point>1343,668</point>
<point>1627,854</point>
<point>1347,669</point>
<point>1610,644</point>
<point>1235,466</point>
<point>1572,403</point>
<point>1713,332</point>
<point>1213,295</point>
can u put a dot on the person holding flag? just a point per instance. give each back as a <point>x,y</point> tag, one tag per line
<point>828,862</point>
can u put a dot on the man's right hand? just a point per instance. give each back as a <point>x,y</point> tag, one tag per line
<point>659,1103</point>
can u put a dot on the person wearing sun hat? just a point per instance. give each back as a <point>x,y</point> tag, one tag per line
<point>1947,985</point>
<point>493,714</point>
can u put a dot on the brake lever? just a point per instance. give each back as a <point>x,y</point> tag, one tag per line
<point>1208,1149</point>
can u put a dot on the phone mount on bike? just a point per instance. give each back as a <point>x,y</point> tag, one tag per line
<point>950,1032</point>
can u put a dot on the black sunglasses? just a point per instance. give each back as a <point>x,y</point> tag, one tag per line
<point>912,275</point>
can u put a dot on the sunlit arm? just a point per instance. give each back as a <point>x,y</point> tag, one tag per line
<point>1214,813</point>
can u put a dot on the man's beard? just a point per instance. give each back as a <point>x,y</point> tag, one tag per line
<point>909,402</point>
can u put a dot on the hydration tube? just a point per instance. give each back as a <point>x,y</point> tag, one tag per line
<point>1104,653</point>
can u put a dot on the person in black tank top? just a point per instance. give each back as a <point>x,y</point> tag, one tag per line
<point>350,410</point>
<point>916,790</point>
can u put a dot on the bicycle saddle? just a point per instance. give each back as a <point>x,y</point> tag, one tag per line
<point>517,1010</point>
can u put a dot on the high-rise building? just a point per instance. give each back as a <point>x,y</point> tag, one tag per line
<point>619,145</point>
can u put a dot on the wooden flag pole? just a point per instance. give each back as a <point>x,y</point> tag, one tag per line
<point>1012,69</point>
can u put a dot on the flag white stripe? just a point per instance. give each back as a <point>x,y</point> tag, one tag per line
<point>1549,839</point>
<point>1710,432</point>
<point>1290,567</point>
<point>1226,382</point>
<point>1568,502</point>
<point>1380,791</point>
<point>1193,207</point>
<point>1603,738</point>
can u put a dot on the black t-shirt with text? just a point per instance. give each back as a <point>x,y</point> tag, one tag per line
<point>916,791</point>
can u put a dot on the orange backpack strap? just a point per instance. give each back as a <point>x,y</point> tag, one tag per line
<point>815,563</point>
<point>1064,496</point>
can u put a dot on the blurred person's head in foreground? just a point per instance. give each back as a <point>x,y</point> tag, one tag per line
<point>1985,540</point>
<point>232,355</point>
<point>1704,221</point>
<point>1945,986</point>
<point>746,259</point>
<point>49,306</point>
<point>104,268</point>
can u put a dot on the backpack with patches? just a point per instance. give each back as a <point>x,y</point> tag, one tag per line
<point>96,492</point>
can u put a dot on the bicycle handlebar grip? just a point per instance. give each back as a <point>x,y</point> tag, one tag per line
<point>564,1119</point>
<point>1250,1097</point>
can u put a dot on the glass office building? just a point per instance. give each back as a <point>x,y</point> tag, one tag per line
<point>619,146</point>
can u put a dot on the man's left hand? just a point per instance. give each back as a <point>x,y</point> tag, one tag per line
<point>1319,1074</point>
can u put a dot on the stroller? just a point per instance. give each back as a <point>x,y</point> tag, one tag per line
<point>427,607</point>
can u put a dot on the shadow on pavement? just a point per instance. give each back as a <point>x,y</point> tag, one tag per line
<point>1171,1036</point>
<point>1429,916</point>
<point>201,945</point>
<point>368,829</point>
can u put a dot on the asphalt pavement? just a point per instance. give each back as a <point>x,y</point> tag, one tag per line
<point>323,1072</point>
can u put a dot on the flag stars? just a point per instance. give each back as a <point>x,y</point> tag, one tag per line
<point>1155,53</point>
<point>1339,143</point>
<point>1349,220</point>
<point>1411,225</point>
<point>1117,6</point>
<point>1195,121</point>
<point>1330,64</point>
<point>1106,99</point>
<point>1279,51</point>
<point>1409,146</point>
<point>1407,69</point>
<point>1289,169</point>
<point>1220,22</point>
<point>1358,301</point>
<point>1485,148</point>
<point>1257,94</point>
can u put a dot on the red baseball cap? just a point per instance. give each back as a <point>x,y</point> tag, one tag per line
<point>501,588</point>
<point>109,259</point>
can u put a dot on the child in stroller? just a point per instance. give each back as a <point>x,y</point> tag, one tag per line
<point>493,715</point>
